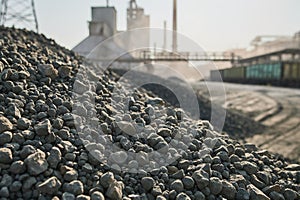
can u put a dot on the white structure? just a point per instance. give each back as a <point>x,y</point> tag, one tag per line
<point>102,26</point>
<point>269,43</point>
<point>104,21</point>
<point>137,19</point>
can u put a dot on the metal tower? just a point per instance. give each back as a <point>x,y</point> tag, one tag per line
<point>19,13</point>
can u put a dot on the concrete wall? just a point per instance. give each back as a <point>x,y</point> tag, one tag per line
<point>100,29</point>
<point>139,19</point>
<point>106,15</point>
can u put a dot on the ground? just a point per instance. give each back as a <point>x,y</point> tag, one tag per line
<point>276,108</point>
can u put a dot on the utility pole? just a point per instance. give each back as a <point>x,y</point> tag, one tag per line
<point>165,36</point>
<point>174,26</point>
<point>19,13</point>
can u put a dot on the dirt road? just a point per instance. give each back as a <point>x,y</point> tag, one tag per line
<point>274,107</point>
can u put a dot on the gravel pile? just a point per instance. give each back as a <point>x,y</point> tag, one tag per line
<point>51,146</point>
<point>237,125</point>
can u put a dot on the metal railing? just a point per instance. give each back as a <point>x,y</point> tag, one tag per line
<point>151,56</point>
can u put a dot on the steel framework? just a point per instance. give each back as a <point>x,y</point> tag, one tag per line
<point>148,56</point>
<point>19,13</point>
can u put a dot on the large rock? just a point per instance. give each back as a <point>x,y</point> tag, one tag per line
<point>23,123</point>
<point>74,187</point>
<point>12,110</point>
<point>239,179</point>
<point>71,175</point>
<point>155,101</point>
<point>5,137</point>
<point>147,183</point>
<point>54,157</point>
<point>228,190</point>
<point>97,196</point>
<point>293,167</point>
<point>200,180</point>
<point>68,196</point>
<point>188,182</point>
<point>6,156</point>
<point>80,87</point>
<point>17,167</point>
<point>4,192</point>
<point>199,195</point>
<point>256,194</point>
<point>29,183</point>
<point>26,151</point>
<point>119,157</point>
<point>164,132</point>
<point>215,185</point>
<point>177,185</point>
<point>290,194</point>
<point>242,194</point>
<point>255,181</point>
<point>36,163</point>
<point>127,128</point>
<point>15,186</point>
<point>64,71</point>
<point>47,70</point>
<point>114,191</point>
<point>5,124</point>
<point>107,179</point>
<point>272,188</point>
<point>50,186</point>
<point>43,128</point>
<point>276,196</point>
<point>183,196</point>
<point>83,197</point>
<point>249,167</point>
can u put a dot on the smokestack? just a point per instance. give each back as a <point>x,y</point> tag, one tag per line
<point>165,36</point>
<point>174,25</point>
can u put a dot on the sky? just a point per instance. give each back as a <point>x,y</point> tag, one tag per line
<point>216,25</point>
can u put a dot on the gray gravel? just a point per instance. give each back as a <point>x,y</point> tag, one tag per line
<point>46,153</point>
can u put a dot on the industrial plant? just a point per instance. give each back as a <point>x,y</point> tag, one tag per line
<point>270,59</point>
<point>104,25</point>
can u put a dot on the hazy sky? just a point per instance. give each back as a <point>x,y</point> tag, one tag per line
<point>213,24</point>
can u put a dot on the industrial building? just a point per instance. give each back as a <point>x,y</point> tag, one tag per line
<point>270,59</point>
<point>136,19</point>
<point>264,44</point>
<point>132,44</point>
<point>103,26</point>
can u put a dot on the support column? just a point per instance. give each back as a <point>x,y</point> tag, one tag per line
<point>174,25</point>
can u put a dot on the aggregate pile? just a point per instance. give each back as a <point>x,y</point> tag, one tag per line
<point>44,155</point>
<point>237,125</point>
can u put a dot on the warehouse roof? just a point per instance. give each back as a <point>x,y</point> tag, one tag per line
<point>275,53</point>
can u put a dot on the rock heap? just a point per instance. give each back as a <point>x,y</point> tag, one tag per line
<point>47,151</point>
